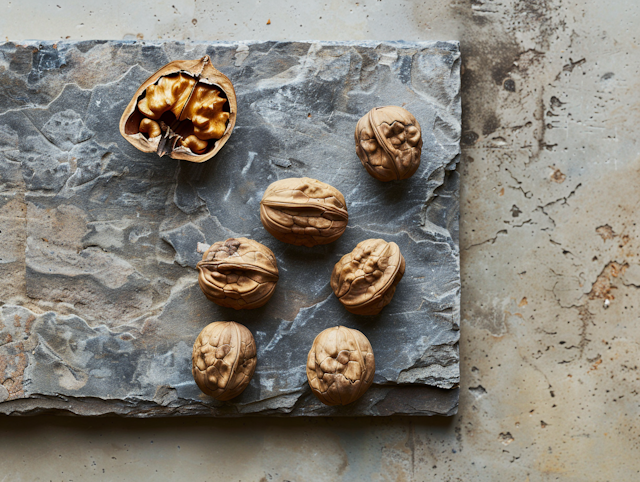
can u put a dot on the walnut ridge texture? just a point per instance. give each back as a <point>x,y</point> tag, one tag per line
<point>187,109</point>
<point>304,211</point>
<point>223,359</point>
<point>340,365</point>
<point>238,273</point>
<point>389,143</point>
<point>365,279</point>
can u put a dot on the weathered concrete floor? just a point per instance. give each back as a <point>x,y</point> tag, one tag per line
<point>549,376</point>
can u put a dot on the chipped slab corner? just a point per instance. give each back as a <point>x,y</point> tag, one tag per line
<point>101,305</point>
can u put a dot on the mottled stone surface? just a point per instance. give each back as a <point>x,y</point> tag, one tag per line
<point>99,241</point>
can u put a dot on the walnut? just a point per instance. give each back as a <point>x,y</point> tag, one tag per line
<point>304,211</point>
<point>365,279</point>
<point>340,366</point>
<point>187,109</point>
<point>389,143</point>
<point>223,359</point>
<point>238,273</point>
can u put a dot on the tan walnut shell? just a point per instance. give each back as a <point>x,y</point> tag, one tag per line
<point>365,280</point>
<point>187,109</point>
<point>389,143</point>
<point>238,273</point>
<point>223,359</point>
<point>304,211</point>
<point>340,366</point>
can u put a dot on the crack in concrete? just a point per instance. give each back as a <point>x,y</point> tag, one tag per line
<point>502,232</point>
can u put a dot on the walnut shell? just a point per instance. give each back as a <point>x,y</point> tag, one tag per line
<point>223,359</point>
<point>365,279</point>
<point>187,109</point>
<point>340,366</point>
<point>304,211</point>
<point>238,273</point>
<point>389,143</point>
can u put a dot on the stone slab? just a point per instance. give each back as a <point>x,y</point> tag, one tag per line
<point>99,241</point>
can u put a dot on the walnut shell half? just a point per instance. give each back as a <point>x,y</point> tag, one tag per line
<point>340,366</point>
<point>223,359</point>
<point>389,143</point>
<point>187,109</point>
<point>304,211</point>
<point>238,273</point>
<point>365,279</point>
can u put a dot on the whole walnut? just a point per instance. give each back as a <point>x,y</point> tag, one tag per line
<point>340,365</point>
<point>187,109</point>
<point>238,273</point>
<point>365,279</point>
<point>304,211</point>
<point>389,143</point>
<point>223,359</point>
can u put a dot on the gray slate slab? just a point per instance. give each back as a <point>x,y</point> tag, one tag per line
<point>100,301</point>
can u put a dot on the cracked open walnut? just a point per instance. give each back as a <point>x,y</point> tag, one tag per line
<point>365,279</point>
<point>389,143</point>
<point>223,359</point>
<point>187,109</point>
<point>340,365</point>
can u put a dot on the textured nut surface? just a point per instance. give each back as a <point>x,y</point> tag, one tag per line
<point>365,279</point>
<point>187,109</point>
<point>304,211</point>
<point>223,359</point>
<point>238,273</point>
<point>389,143</point>
<point>340,365</point>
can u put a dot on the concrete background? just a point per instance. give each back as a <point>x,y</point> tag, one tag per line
<point>549,242</point>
